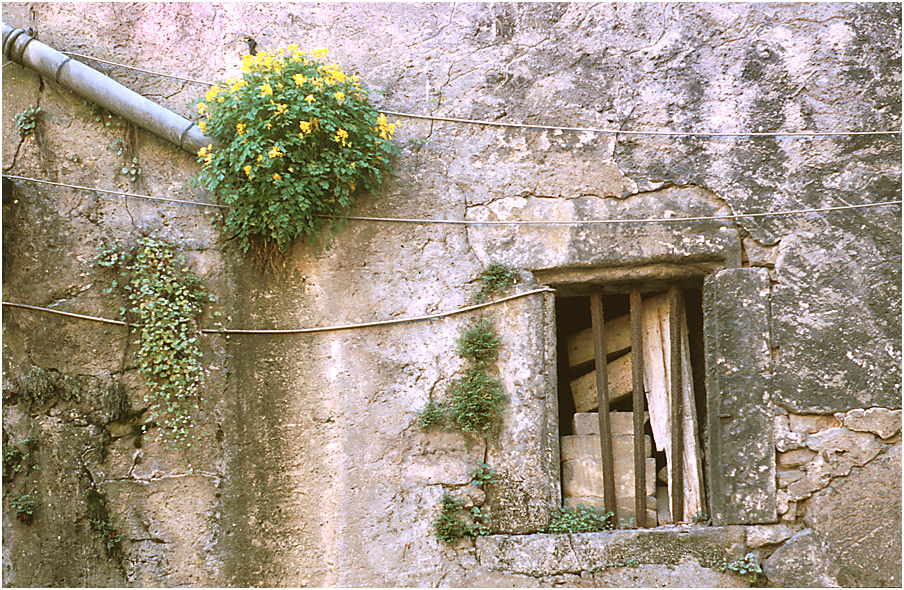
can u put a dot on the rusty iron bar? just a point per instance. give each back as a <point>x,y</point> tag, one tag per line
<point>677,390</point>
<point>602,393</point>
<point>640,452</point>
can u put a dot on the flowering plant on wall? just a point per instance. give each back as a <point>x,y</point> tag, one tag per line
<point>300,140</point>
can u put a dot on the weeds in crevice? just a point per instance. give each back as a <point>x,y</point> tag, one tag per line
<point>746,566</point>
<point>27,120</point>
<point>580,519</point>
<point>494,279</point>
<point>24,506</point>
<point>99,517</point>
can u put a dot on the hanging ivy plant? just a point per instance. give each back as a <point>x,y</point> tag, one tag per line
<point>165,300</point>
<point>300,140</point>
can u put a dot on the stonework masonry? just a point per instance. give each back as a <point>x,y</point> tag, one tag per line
<point>311,467</point>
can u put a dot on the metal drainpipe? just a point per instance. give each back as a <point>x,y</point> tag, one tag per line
<point>102,90</point>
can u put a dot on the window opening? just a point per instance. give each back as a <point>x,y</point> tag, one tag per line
<point>666,485</point>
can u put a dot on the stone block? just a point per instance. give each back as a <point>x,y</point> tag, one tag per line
<point>619,422</point>
<point>663,507</point>
<point>585,478</point>
<point>768,534</point>
<point>618,338</point>
<point>810,423</point>
<point>802,562</point>
<point>795,458</point>
<point>620,384</point>
<point>845,446</point>
<point>859,516</point>
<point>789,476</point>
<point>882,422</point>
<point>588,447</point>
<point>736,317</point>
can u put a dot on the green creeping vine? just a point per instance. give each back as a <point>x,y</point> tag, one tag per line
<point>27,120</point>
<point>300,140</point>
<point>24,507</point>
<point>166,298</point>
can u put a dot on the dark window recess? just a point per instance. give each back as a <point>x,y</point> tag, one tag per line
<point>599,470</point>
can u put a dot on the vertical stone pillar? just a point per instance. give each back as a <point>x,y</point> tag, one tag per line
<point>741,453</point>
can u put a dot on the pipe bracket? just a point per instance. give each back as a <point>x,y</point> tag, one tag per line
<point>59,70</point>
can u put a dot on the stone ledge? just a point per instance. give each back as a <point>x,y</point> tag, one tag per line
<point>550,554</point>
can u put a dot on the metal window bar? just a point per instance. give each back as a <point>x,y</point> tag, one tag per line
<point>640,475</point>
<point>676,458</point>
<point>602,391</point>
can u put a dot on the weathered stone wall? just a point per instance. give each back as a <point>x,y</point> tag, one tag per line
<point>312,469</point>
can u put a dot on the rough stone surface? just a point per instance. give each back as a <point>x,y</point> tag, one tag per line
<point>805,561</point>
<point>880,421</point>
<point>845,515</point>
<point>765,534</point>
<point>739,396</point>
<point>545,555</point>
<point>810,423</point>
<point>311,469</point>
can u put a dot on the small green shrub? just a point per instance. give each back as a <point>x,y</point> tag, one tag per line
<point>15,461</point>
<point>12,461</point>
<point>482,474</point>
<point>449,526</point>
<point>99,518</point>
<point>27,120</point>
<point>37,387</point>
<point>300,140</point>
<point>746,566</point>
<point>24,507</point>
<point>433,414</point>
<point>494,279</point>
<point>479,343</point>
<point>166,297</point>
<point>580,519</point>
<point>114,402</point>
<point>477,402</point>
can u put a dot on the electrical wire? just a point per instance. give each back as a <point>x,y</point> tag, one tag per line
<point>551,127</point>
<point>132,195</point>
<point>113,63</point>
<point>539,222</point>
<point>432,317</point>
<point>650,133</point>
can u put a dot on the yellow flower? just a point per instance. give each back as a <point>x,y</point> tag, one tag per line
<point>341,135</point>
<point>220,99</point>
<point>304,126</point>
<point>310,98</point>
<point>281,108</point>
<point>340,96</point>
<point>318,53</point>
<point>202,125</point>
<point>269,125</point>
<point>202,152</point>
<point>212,93</point>
<point>240,128</point>
<point>276,177</point>
<point>266,90</point>
<point>299,79</point>
<point>247,170</point>
<point>275,152</point>
<point>201,108</point>
<point>260,157</point>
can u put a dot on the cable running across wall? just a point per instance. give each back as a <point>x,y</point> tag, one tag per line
<point>430,317</point>
<point>542,222</point>
<point>548,127</point>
